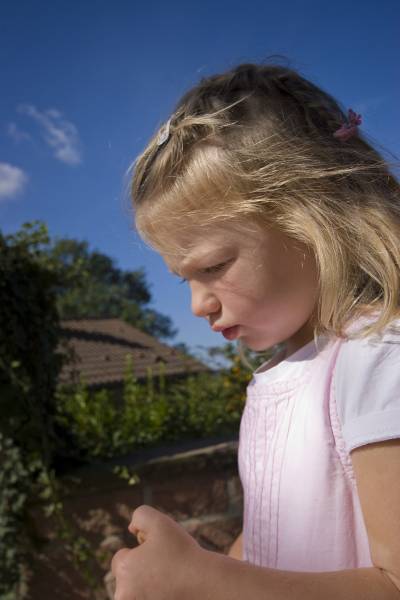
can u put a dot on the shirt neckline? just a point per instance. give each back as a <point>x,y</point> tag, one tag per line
<point>292,366</point>
<point>297,364</point>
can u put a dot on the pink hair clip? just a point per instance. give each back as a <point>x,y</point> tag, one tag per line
<point>347,130</point>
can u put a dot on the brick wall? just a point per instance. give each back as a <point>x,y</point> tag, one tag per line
<point>199,488</point>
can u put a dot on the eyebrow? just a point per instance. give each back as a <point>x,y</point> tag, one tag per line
<point>193,261</point>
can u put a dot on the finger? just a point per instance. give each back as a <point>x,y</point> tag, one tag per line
<point>118,560</point>
<point>145,519</point>
<point>140,535</point>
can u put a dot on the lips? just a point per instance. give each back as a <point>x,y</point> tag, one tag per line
<point>231,333</point>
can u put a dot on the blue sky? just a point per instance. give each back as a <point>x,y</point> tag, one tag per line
<point>85,84</point>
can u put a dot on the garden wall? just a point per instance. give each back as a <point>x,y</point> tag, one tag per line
<point>197,484</point>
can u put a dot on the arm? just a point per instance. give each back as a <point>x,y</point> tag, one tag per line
<point>236,550</point>
<point>229,579</point>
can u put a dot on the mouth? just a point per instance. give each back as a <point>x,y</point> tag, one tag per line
<point>231,333</point>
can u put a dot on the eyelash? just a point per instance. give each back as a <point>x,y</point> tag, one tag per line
<point>213,269</point>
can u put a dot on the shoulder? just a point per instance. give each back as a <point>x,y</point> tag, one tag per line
<point>360,354</point>
<point>366,384</point>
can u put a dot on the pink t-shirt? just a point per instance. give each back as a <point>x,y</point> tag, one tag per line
<point>302,418</point>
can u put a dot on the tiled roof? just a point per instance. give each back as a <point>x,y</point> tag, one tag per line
<point>101,347</point>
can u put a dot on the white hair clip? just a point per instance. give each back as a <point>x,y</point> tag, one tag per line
<point>163,134</point>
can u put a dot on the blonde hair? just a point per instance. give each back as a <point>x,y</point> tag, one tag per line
<point>256,144</point>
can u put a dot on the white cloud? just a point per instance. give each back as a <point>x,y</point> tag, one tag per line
<point>61,135</point>
<point>12,180</point>
<point>17,134</point>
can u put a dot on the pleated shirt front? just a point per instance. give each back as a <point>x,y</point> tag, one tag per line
<point>301,506</point>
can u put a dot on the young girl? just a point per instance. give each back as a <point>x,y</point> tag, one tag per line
<point>261,192</point>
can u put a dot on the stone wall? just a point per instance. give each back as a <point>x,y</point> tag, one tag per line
<point>198,487</point>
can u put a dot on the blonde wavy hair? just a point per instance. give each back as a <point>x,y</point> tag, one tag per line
<point>256,144</point>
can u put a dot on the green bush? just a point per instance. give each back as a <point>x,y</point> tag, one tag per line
<point>29,368</point>
<point>29,334</point>
<point>30,436</point>
<point>15,484</point>
<point>154,411</point>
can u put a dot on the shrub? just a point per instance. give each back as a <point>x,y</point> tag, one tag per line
<point>15,483</point>
<point>197,406</point>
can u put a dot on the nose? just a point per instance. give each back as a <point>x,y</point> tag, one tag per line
<point>204,302</point>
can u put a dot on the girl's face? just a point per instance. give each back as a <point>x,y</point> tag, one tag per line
<point>261,283</point>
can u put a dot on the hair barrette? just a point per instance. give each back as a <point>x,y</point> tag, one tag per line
<point>163,134</point>
<point>349,129</point>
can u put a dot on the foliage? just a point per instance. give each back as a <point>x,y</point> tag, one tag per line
<point>29,369</point>
<point>89,284</point>
<point>15,483</point>
<point>197,406</point>
<point>18,479</point>
<point>77,548</point>
<point>29,330</point>
<point>92,286</point>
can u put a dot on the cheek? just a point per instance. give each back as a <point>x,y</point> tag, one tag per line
<point>294,272</point>
<point>242,291</point>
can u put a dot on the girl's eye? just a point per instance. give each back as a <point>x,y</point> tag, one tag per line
<point>213,269</point>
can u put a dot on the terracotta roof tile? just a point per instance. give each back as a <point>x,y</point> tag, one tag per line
<point>102,345</point>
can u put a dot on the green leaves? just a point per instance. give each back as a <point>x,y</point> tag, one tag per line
<point>91,285</point>
<point>126,474</point>
<point>148,412</point>
<point>15,483</point>
<point>29,368</point>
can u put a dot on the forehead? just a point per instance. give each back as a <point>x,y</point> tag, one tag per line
<point>189,248</point>
<point>206,244</point>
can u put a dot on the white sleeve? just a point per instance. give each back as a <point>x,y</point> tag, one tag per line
<point>366,384</point>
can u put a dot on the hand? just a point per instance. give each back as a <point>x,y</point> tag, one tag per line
<point>166,566</point>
